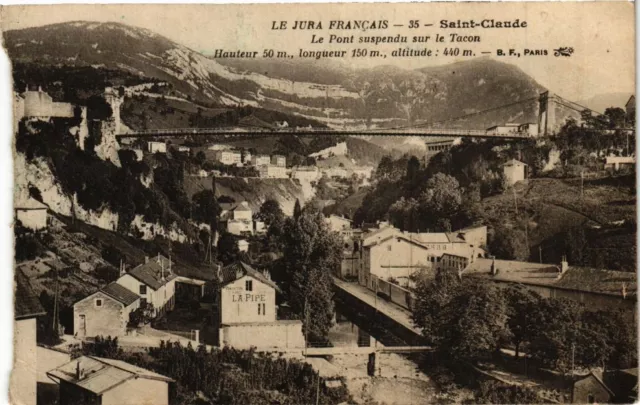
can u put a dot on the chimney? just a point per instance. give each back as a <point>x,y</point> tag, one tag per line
<point>267,275</point>
<point>79,371</point>
<point>564,264</point>
<point>122,268</point>
<point>494,269</point>
<point>219,273</point>
<point>146,259</point>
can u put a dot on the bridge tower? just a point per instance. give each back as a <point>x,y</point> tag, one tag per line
<point>546,113</point>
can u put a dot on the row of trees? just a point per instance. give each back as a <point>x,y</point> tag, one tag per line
<point>226,376</point>
<point>467,320</point>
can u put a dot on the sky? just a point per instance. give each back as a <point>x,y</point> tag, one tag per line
<point>601,33</point>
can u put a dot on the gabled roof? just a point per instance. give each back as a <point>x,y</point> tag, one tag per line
<point>599,380</point>
<point>120,293</point>
<point>27,304</point>
<point>239,269</point>
<point>102,375</point>
<point>152,273</point>
<point>514,162</point>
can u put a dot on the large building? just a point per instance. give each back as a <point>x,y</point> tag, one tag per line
<point>305,173</point>
<point>595,287</point>
<point>228,157</point>
<point>27,308</point>
<point>272,172</point>
<point>238,218</point>
<point>156,147</point>
<point>154,282</point>
<point>248,311</point>
<point>105,312</point>
<point>390,254</point>
<point>90,380</point>
<point>261,160</point>
<point>337,223</point>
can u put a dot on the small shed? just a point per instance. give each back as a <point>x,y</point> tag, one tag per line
<point>514,171</point>
<point>590,390</point>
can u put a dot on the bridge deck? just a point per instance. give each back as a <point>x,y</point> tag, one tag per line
<point>326,351</point>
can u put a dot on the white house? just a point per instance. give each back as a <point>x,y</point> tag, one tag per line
<point>96,380</point>
<point>506,129</point>
<point>228,157</point>
<point>243,245</point>
<point>514,171</point>
<point>31,213</point>
<point>105,312</point>
<point>154,282</point>
<point>154,146</point>
<point>184,149</point>
<point>272,172</point>
<point>618,162</point>
<point>279,160</point>
<point>261,160</point>
<point>337,223</point>
<point>248,311</point>
<point>24,375</point>
<point>335,172</point>
<point>238,218</point>
<point>305,173</point>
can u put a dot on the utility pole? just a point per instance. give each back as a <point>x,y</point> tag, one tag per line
<point>318,389</point>
<point>540,250</point>
<point>573,357</point>
<point>582,184</point>
<point>515,198</point>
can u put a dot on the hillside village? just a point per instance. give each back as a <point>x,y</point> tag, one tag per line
<point>490,268</point>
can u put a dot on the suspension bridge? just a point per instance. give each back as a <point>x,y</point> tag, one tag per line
<point>553,111</point>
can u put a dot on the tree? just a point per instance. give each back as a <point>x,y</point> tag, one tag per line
<point>522,306</point>
<point>270,212</point>
<point>311,252</point>
<point>509,244</point>
<point>297,209</point>
<point>206,208</point>
<point>493,392</point>
<point>228,251</point>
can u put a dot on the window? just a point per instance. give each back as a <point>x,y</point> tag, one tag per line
<point>98,303</point>
<point>143,302</point>
<point>389,248</point>
<point>591,399</point>
<point>143,289</point>
<point>248,285</point>
<point>264,309</point>
<point>259,308</point>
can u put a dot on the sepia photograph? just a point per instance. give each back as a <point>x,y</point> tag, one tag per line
<point>385,204</point>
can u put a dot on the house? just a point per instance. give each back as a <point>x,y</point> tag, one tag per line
<point>436,145</point>
<point>305,173</point>
<point>39,104</point>
<point>27,308</point>
<point>154,282</point>
<point>105,312</point>
<point>618,162</point>
<point>261,160</point>
<point>184,149</point>
<point>248,311</point>
<point>591,390</point>
<point>272,172</point>
<point>31,213</point>
<point>228,157</point>
<point>156,147</point>
<point>514,171</point>
<point>96,380</point>
<point>338,223</point>
<point>243,245</point>
<point>259,227</point>
<point>338,172</point>
<point>237,211</point>
<point>279,160</point>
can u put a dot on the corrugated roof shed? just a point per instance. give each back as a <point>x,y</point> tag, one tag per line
<point>27,304</point>
<point>100,375</point>
<point>120,293</point>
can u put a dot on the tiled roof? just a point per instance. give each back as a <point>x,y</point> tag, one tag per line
<point>102,375</point>
<point>514,271</point>
<point>239,269</point>
<point>27,304</point>
<point>514,162</point>
<point>151,273</point>
<point>120,293</point>
<point>574,278</point>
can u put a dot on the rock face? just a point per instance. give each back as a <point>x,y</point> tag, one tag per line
<point>108,147</point>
